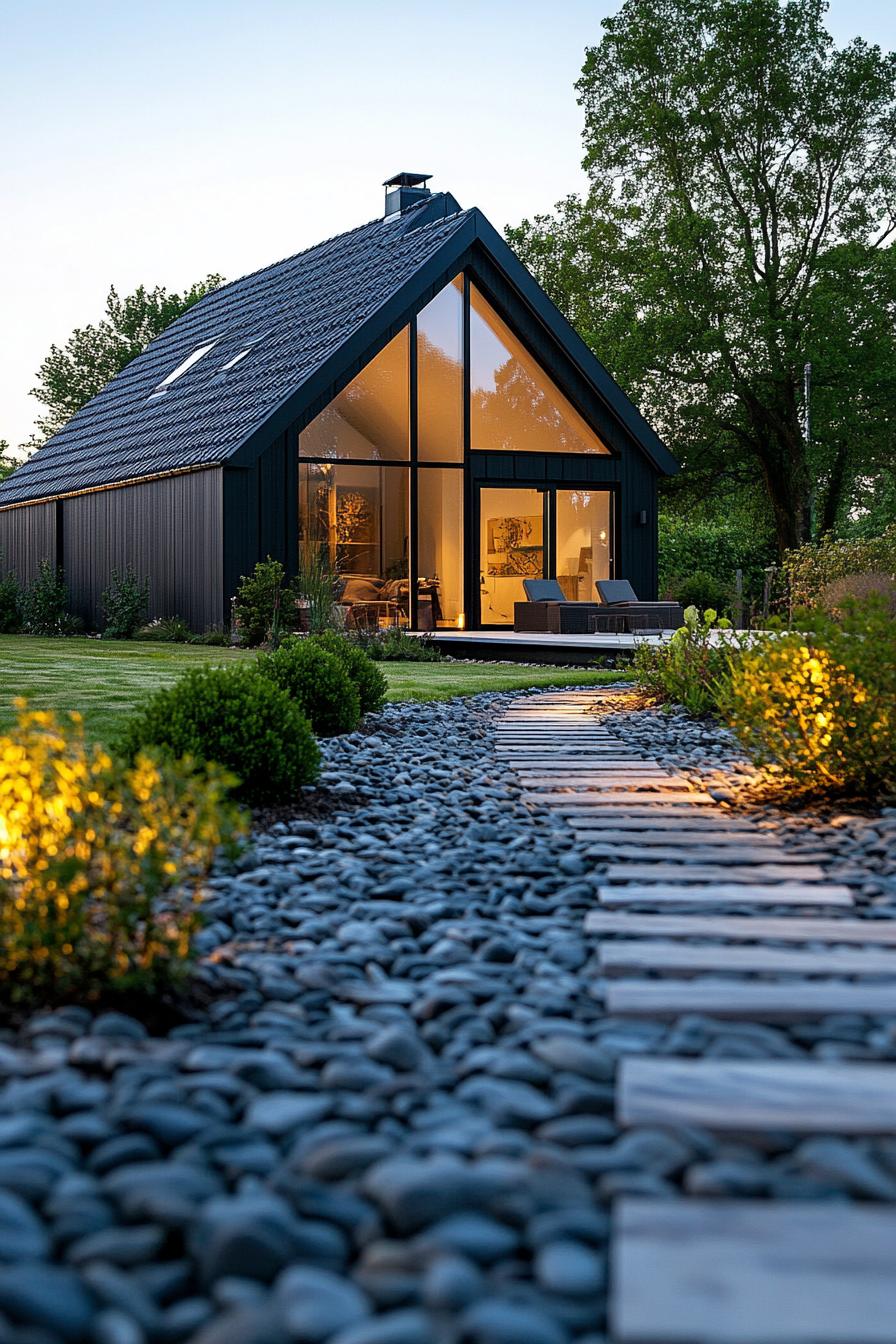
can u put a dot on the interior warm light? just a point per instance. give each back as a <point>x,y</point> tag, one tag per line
<point>461,622</point>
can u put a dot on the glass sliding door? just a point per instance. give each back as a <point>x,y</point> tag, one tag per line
<point>583,535</point>
<point>511,548</point>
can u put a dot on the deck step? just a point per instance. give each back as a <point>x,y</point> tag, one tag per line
<point>760,1000</point>
<point>751,1272</point>
<point>806,1096</point>
<point>681,958</point>
<point>747,928</point>
<point>727,893</point>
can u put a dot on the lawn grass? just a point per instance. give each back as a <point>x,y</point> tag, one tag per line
<point>104,679</point>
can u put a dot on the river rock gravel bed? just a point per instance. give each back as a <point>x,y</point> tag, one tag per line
<point>394,1121</point>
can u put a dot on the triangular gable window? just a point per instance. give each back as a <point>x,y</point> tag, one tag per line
<point>514,405</point>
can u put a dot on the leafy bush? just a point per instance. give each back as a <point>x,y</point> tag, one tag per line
<point>10,601</point>
<point>835,596</point>
<point>87,850</point>
<point>264,605</point>
<point>45,604</point>
<point>318,683</point>
<point>125,603</point>
<point>234,717</point>
<point>689,546</point>
<point>215,638</point>
<point>821,703</point>
<point>396,645</point>
<point>690,669</point>
<point>166,630</point>
<point>368,679</point>
<point>702,590</point>
<point>811,568</point>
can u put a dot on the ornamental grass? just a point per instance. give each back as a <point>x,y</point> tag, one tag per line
<point>101,864</point>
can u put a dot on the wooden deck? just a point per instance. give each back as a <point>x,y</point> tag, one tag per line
<point>701,911</point>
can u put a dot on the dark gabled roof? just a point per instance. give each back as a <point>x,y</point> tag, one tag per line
<point>301,317</point>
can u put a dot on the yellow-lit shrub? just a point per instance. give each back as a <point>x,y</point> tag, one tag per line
<point>88,851</point>
<point>821,703</point>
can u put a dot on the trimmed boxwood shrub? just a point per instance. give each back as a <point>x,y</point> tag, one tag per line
<point>237,718</point>
<point>369,680</point>
<point>317,682</point>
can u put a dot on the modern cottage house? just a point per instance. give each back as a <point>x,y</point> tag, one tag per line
<point>404,395</point>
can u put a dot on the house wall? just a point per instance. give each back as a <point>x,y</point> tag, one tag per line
<point>27,536</point>
<point>169,529</point>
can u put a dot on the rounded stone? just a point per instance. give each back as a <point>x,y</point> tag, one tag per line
<point>569,1268</point>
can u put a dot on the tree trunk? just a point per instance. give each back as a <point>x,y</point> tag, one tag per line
<point>781,451</point>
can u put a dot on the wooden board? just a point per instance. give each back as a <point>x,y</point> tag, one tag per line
<point>650,824</point>
<point>725,893</point>
<point>753,873</point>
<point>612,780</point>
<point>780,928</point>
<point>679,957</point>
<point>687,851</point>
<point>752,1272</point>
<point>808,1096</point>
<point>623,796</point>
<point>759,1000</point>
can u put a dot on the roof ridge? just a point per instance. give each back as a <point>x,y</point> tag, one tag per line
<point>334,238</point>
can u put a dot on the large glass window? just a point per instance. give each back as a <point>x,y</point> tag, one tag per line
<point>511,548</point>
<point>440,376</point>
<point>370,417</point>
<point>440,548</point>
<point>584,541</point>
<point>360,516</point>
<point>514,405</point>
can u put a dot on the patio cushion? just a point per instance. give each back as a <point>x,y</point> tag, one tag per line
<point>615,590</point>
<point>543,590</point>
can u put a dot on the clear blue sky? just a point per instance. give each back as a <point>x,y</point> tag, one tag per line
<point>157,140</point>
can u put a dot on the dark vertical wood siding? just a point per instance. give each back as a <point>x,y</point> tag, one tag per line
<point>27,536</point>
<point>168,529</point>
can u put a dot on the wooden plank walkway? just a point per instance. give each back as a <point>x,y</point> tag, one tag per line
<point>748,1272</point>
<point>726,1271</point>
<point>809,1097</point>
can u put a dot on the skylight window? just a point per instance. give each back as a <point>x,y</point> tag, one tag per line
<point>182,367</point>
<point>247,349</point>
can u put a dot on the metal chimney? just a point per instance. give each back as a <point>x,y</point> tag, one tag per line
<point>404,190</point>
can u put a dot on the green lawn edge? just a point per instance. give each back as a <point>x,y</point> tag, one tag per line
<point>104,680</point>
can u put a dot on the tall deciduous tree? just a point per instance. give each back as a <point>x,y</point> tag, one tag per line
<point>6,462</point>
<point>730,146</point>
<point>73,373</point>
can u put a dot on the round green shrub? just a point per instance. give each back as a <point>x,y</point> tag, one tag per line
<point>317,682</point>
<point>702,590</point>
<point>237,718</point>
<point>369,680</point>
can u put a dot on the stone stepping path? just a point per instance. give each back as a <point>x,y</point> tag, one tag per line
<point>724,1271</point>
<point>748,1272</point>
<point>809,1097</point>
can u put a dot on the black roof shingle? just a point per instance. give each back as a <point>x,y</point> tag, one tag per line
<point>294,318</point>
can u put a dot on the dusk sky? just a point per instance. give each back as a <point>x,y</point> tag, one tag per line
<point>156,142</point>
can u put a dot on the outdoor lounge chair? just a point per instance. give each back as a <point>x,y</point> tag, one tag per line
<point>640,617</point>
<point>548,610</point>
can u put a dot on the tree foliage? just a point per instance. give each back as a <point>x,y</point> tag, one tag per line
<point>742,189</point>
<point>73,373</point>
